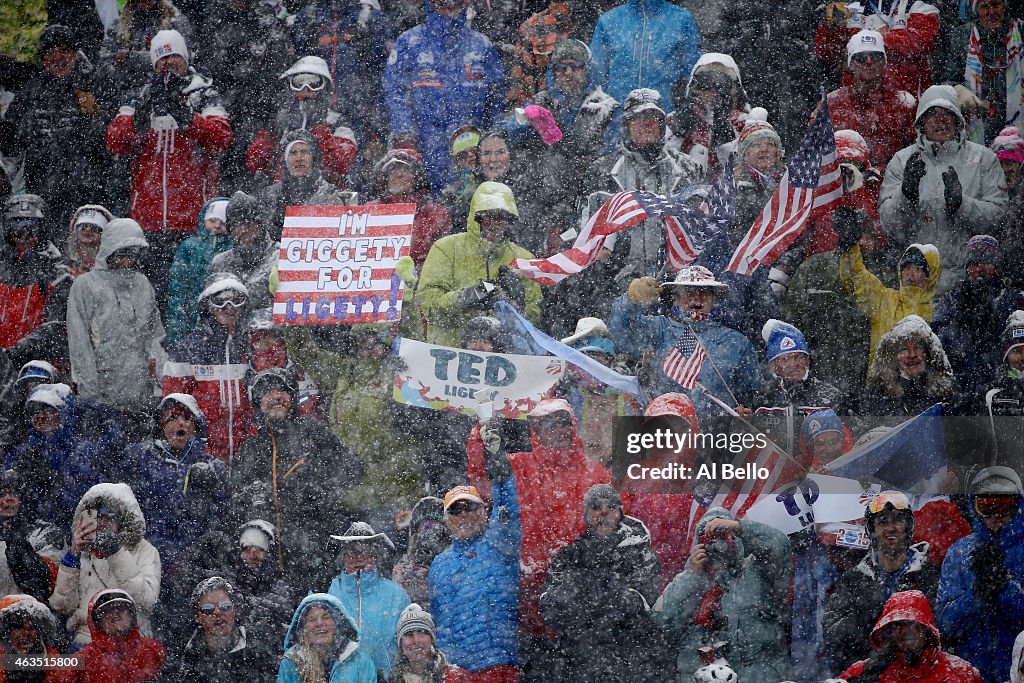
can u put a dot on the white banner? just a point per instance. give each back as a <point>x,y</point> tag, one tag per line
<point>818,499</point>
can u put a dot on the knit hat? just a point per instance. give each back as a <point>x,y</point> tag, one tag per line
<point>57,35</point>
<point>602,493</point>
<point>1009,145</point>
<point>166,43</point>
<point>243,208</point>
<point>466,137</point>
<point>996,481</point>
<point>756,127</point>
<point>820,422</point>
<point>865,40</point>
<point>217,209</point>
<point>983,249</point>
<point>782,338</point>
<point>640,101</point>
<point>91,216</point>
<point>914,257</point>
<point>427,508</point>
<point>1013,333</point>
<point>415,618</point>
<point>571,49</point>
<point>254,538</point>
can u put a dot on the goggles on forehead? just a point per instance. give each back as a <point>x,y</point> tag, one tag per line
<point>313,82</point>
<point>996,506</point>
<point>893,499</point>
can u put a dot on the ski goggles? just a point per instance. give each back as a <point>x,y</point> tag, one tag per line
<point>222,606</point>
<point>312,82</point>
<point>996,506</point>
<point>232,299</point>
<point>893,499</point>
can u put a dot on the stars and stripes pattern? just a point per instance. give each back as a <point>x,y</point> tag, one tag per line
<point>684,360</point>
<point>682,222</point>
<point>812,180</point>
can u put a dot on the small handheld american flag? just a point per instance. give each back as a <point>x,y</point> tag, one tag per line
<point>684,360</point>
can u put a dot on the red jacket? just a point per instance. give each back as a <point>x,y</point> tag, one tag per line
<point>935,666</point>
<point>908,47</point>
<point>820,236</point>
<point>172,175</point>
<point>940,523</point>
<point>432,222</point>
<point>21,311</point>
<point>132,659</point>
<point>885,119</point>
<point>336,154</point>
<point>551,483</point>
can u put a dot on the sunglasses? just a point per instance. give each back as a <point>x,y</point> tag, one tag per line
<point>462,506</point>
<point>892,499</point>
<point>311,82</point>
<point>232,300</point>
<point>566,67</point>
<point>553,422</point>
<point>865,57</point>
<point>996,506</point>
<point>209,608</point>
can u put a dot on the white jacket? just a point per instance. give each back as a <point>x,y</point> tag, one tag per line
<point>134,568</point>
<point>982,179</point>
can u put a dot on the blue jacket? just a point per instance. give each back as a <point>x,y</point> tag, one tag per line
<point>474,589</point>
<point>979,633</point>
<point>441,76</point>
<point>382,602</point>
<point>644,44</point>
<point>349,665</point>
<point>355,52</point>
<point>728,350</point>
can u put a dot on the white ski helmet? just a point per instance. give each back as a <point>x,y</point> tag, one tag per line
<point>715,673</point>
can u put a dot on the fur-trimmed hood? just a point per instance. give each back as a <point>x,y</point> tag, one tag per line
<point>121,498</point>
<point>884,373</point>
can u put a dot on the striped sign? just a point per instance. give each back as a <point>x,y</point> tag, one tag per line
<point>337,264</point>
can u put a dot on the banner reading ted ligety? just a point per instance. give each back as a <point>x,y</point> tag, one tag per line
<point>337,264</point>
<point>473,382</point>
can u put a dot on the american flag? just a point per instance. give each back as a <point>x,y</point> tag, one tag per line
<point>684,360</point>
<point>812,180</point>
<point>682,222</point>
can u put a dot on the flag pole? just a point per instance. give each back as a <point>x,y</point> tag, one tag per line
<point>713,365</point>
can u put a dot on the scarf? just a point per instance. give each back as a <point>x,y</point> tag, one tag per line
<point>974,77</point>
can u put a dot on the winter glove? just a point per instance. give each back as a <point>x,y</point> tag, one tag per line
<point>480,297</point>
<point>86,102</point>
<point>542,121</point>
<point>953,191</point>
<point>490,435</point>
<point>11,528</point>
<point>406,269</point>
<point>969,102</point>
<point>912,175</point>
<point>847,224</point>
<point>990,575</point>
<point>878,662</point>
<point>202,477</point>
<point>497,465</point>
<point>643,291</point>
<point>778,280</point>
<point>158,95</point>
<point>106,544</point>
<point>853,179</point>
<point>512,288</point>
<point>836,14</point>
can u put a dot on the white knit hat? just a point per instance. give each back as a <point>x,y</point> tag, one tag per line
<point>166,43</point>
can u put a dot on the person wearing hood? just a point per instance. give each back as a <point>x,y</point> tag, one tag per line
<point>983,65</point>
<point>909,373</point>
<point>31,546</point>
<point>222,649</point>
<point>301,184</point>
<point>114,328</point>
<point>970,317</point>
<point>710,107</point>
<point>428,536</point>
<point>354,38</point>
<point>375,602</point>
<point>597,593</point>
<point>323,644</point>
<point>466,272</point>
<point>731,371</point>
<point>1004,396</point>
<point>306,106</point>
<point>462,84</point>
<point>212,362</point>
<point>1009,149</point>
<point>191,266</point>
<point>643,44</point>
<point>27,628</point>
<point>59,127</point>
<point>789,393</point>
<point>907,647</point>
<point>553,479</point>
<point>174,130</point>
<point>642,162</point>
<point>980,604</point>
<point>58,465</point>
<point>868,104</point>
<point>298,465</point>
<point>402,179</point>
<point>920,270</point>
<point>84,234</point>
<point>418,657</point>
<point>33,282</point>
<point>734,589</point>
<point>118,649</point>
<point>943,188</point>
<point>892,564</point>
<point>253,257</point>
<point>107,551</point>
